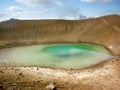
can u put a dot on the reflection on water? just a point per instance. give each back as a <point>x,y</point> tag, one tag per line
<point>57,56</point>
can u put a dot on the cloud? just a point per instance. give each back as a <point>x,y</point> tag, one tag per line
<point>2,14</point>
<point>82,17</point>
<point>107,12</point>
<point>59,3</point>
<point>10,12</point>
<point>37,3</point>
<point>13,12</point>
<point>70,13</point>
<point>46,10</point>
<point>97,1</point>
<point>14,9</point>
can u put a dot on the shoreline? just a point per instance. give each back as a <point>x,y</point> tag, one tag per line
<point>24,77</point>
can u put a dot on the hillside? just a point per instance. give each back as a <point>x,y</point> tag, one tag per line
<point>103,30</point>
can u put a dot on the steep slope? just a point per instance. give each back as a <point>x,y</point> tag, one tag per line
<point>104,31</point>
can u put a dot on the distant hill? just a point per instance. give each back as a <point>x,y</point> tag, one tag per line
<point>13,19</point>
<point>103,30</point>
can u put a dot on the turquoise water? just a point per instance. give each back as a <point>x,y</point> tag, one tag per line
<point>55,56</point>
<point>73,49</point>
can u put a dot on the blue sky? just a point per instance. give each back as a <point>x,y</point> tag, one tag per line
<point>57,9</point>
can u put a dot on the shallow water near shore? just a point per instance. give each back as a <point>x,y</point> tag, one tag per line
<point>55,56</point>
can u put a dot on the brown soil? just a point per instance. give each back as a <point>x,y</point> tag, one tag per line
<point>103,31</point>
<point>103,77</point>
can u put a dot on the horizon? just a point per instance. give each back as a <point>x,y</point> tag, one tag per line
<point>57,9</point>
<point>60,19</point>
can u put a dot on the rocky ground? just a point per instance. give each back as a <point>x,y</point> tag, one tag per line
<point>105,76</point>
<point>103,31</point>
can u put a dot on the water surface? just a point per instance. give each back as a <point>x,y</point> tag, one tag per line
<point>55,56</point>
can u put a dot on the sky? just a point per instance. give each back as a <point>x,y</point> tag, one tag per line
<point>57,9</point>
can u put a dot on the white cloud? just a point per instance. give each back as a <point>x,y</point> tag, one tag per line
<point>107,12</point>
<point>70,13</point>
<point>98,1</point>
<point>46,10</point>
<point>13,12</point>
<point>14,9</point>
<point>20,13</point>
<point>37,3</point>
<point>59,3</point>
<point>42,13</point>
<point>82,17</point>
<point>2,14</point>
